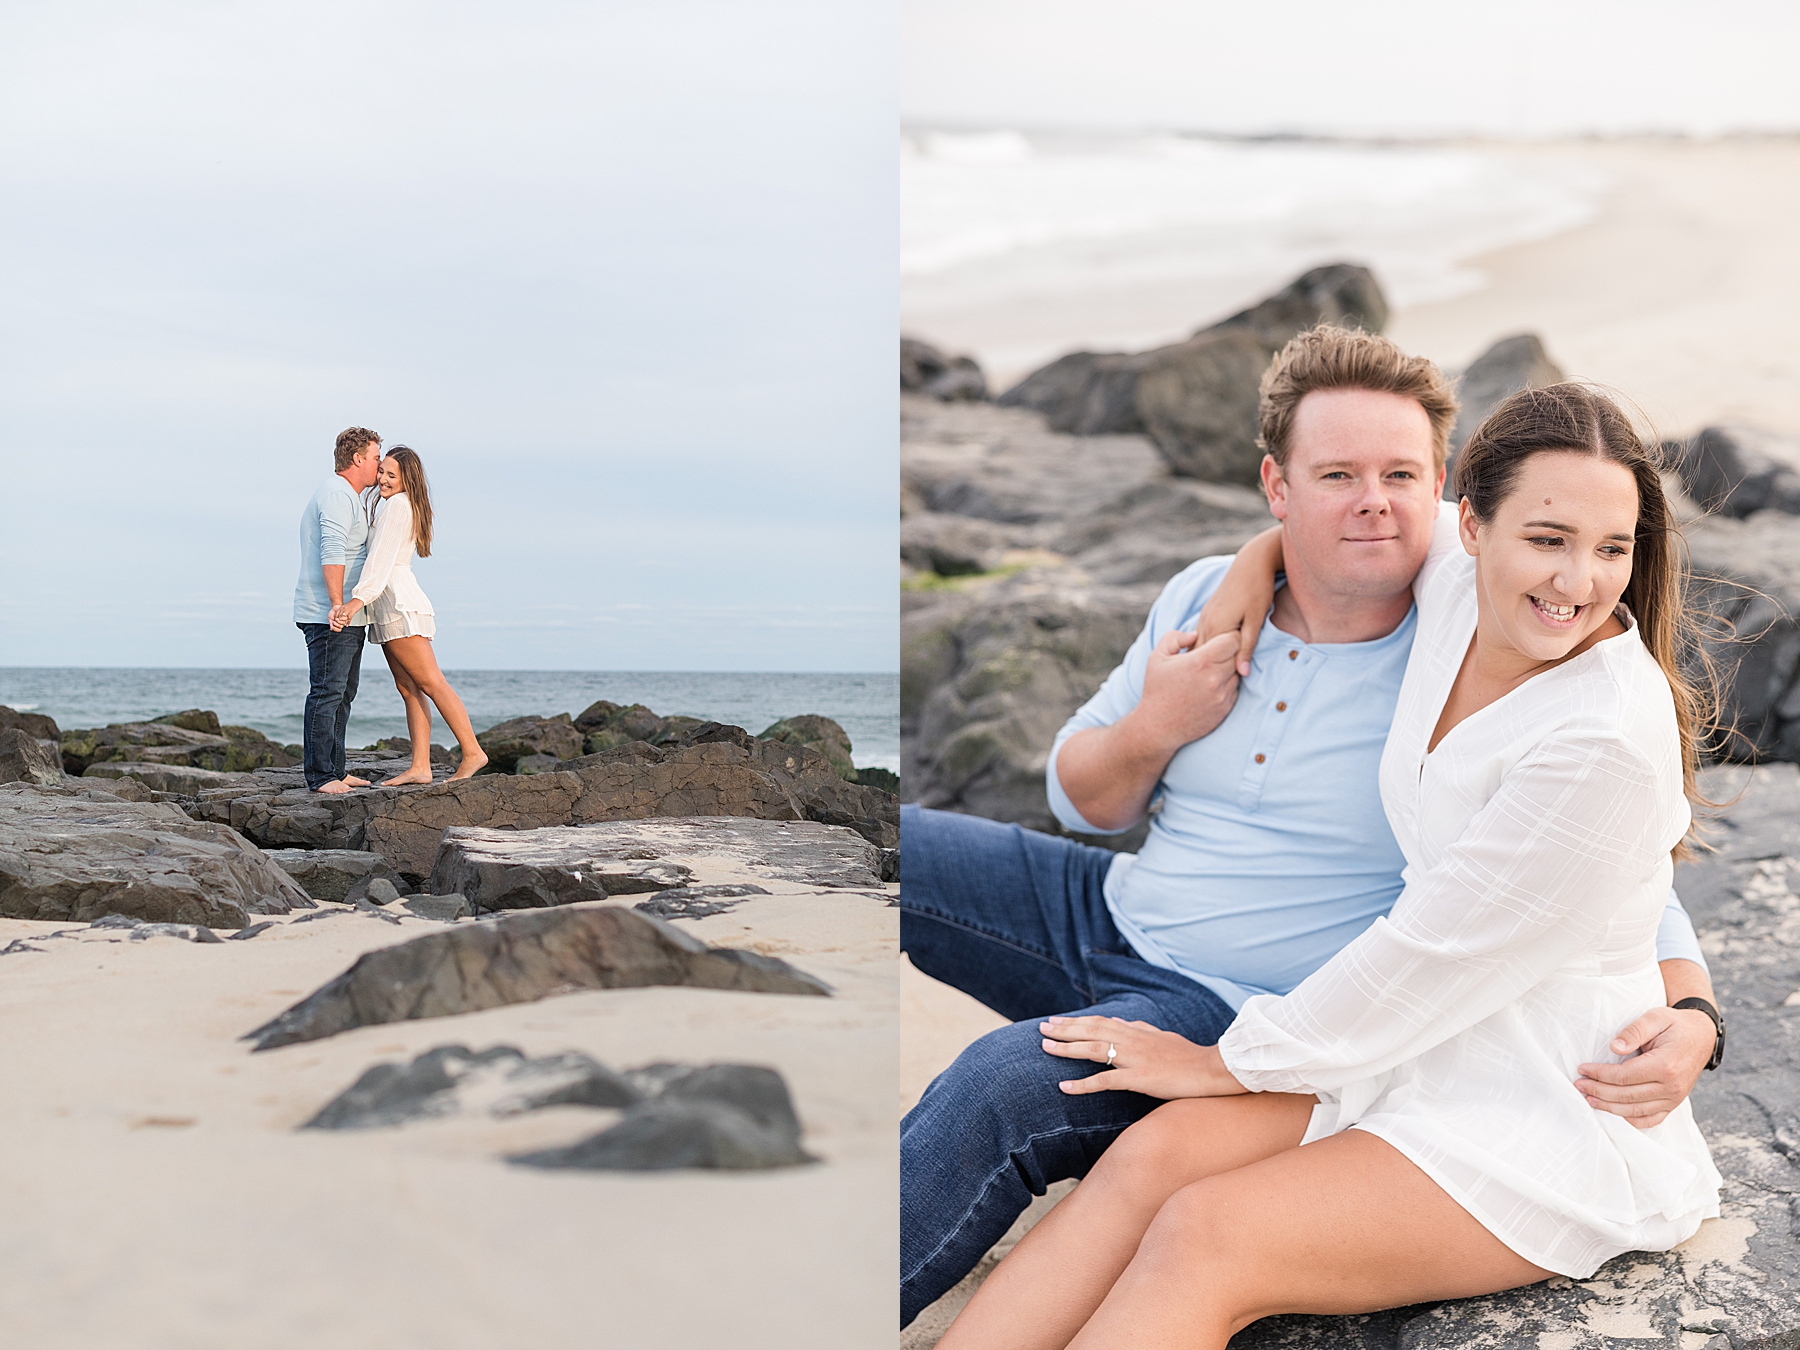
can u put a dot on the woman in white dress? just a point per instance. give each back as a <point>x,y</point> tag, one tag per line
<point>401,618</point>
<point>1405,1126</point>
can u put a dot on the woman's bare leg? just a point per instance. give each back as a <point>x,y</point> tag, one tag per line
<point>1052,1282</point>
<point>1345,1225</point>
<point>417,659</point>
<point>418,724</point>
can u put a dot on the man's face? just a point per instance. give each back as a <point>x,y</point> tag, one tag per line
<point>1359,494</point>
<point>365,468</point>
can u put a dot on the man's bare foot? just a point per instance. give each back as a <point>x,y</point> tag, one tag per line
<point>356,782</point>
<point>335,788</point>
<point>410,776</point>
<point>470,766</point>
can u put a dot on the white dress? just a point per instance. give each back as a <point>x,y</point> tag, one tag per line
<point>1537,840</point>
<point>397,606</point>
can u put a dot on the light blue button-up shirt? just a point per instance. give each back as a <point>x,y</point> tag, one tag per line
<point>1271,850</point>
<point>334,532</point>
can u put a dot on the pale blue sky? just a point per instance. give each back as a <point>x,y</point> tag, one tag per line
<point>623,275</point>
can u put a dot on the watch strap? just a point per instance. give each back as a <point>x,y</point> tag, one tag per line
<point>1701,1005</point>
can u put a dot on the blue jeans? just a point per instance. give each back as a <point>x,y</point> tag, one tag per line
<point>333,661</point>
<point>1017,920</point>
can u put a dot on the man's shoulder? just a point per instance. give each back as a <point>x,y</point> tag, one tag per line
<point>1190,588</point>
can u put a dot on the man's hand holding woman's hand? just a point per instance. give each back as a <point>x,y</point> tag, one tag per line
<point>342,614</point>
<point>1143,1058</point>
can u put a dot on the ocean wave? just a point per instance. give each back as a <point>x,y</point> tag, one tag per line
<point>1101,207</point>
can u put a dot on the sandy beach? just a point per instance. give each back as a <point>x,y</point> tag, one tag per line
<point>155,1191</point>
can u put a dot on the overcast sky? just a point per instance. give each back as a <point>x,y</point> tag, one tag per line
<point>1406,67</point>
<point>623,274</point>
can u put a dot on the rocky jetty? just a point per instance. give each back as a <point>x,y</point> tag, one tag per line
<point>950,379</point>
<point>192,739</point>
<point>520,958</point>
<point>79,855</point>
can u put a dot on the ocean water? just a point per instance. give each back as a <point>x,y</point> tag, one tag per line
<point>1043,225</point>
<point>866,705</point>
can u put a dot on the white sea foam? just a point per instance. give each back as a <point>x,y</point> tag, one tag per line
<point>1001,217</point>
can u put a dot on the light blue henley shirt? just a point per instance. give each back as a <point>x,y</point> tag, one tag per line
<point>1271,850</point>
<point>334,532</point>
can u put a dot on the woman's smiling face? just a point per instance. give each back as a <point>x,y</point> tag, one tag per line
<point>1553,562</point>
<point>387,482</point>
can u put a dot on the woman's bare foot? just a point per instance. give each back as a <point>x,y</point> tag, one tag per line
<point>422,776</point>
<point>335,788</point>
<point>471,765</point>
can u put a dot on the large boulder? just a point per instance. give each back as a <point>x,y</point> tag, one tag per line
<point>926,370</point>
<point>331,873</point>
<point>1511,364</point>
<point>69,855</point>
<point>1736,470</point>
<point>607,726</point>
<point>1198,399</point>
<point>815,732</point>
<point>534,869</point>
<point>521,958</point>
<point>176,778</point>
<point>36,725</point>
<point>1748,578</point>
<point>508,742</point>
<point>1085,393</point>
<point>26,759</point>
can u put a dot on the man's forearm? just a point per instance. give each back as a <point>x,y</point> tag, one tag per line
<point>1686,979</point>
<point>1109,773</point>
<point>334,582</point>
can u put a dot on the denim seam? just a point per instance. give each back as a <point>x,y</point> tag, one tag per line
<point>1003,939</point>
<point>995,1176</point>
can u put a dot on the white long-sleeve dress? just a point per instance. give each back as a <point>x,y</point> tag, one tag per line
<point>1537,839</point>
<point>397,606</point>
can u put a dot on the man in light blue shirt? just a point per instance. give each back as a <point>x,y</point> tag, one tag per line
<point>334,537</point>
<point>1268,848</point>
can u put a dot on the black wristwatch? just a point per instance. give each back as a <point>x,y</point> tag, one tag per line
<point>1718,1053</point>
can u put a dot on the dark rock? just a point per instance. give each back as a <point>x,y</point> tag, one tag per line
<point>885,779</point>
<point>568,1079</point>
<point>176,778</point>
<point>696,902</point>
<point>815,733</point>
<point>520,958</point>
<point>508,742</point>
<point>1511,364</point>
<point>443,908</point>
<point>116,921</point>
<point>954,546</point>
<point>530,764</point>
<point>735,1116</point>
<point>1735,470</point>
<point>67,854</point>
<point>167,743</point>
<point>1341,294</point>
<point>400,745</point>
<point>24,759</point>
<point>596,716</point>
<point>329,874</point>
<point>18,945</point>
<point>391,1094</point>
<point>245,934</point>
<point>35,725</point>
<point>926,370</point>
<point>1199,400</point>
<point>194,719</point>
<point>1748,577</point>
<point>1084,393</point>
<point>530,869</point>
<point>374,890</point>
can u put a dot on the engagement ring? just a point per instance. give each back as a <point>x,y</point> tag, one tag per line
<point>1112,1053</point>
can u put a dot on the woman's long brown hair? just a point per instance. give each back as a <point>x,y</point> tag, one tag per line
<point>1574,418</point>
<point>418,492</point>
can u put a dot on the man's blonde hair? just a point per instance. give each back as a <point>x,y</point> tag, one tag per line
<point>1344,358</point>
